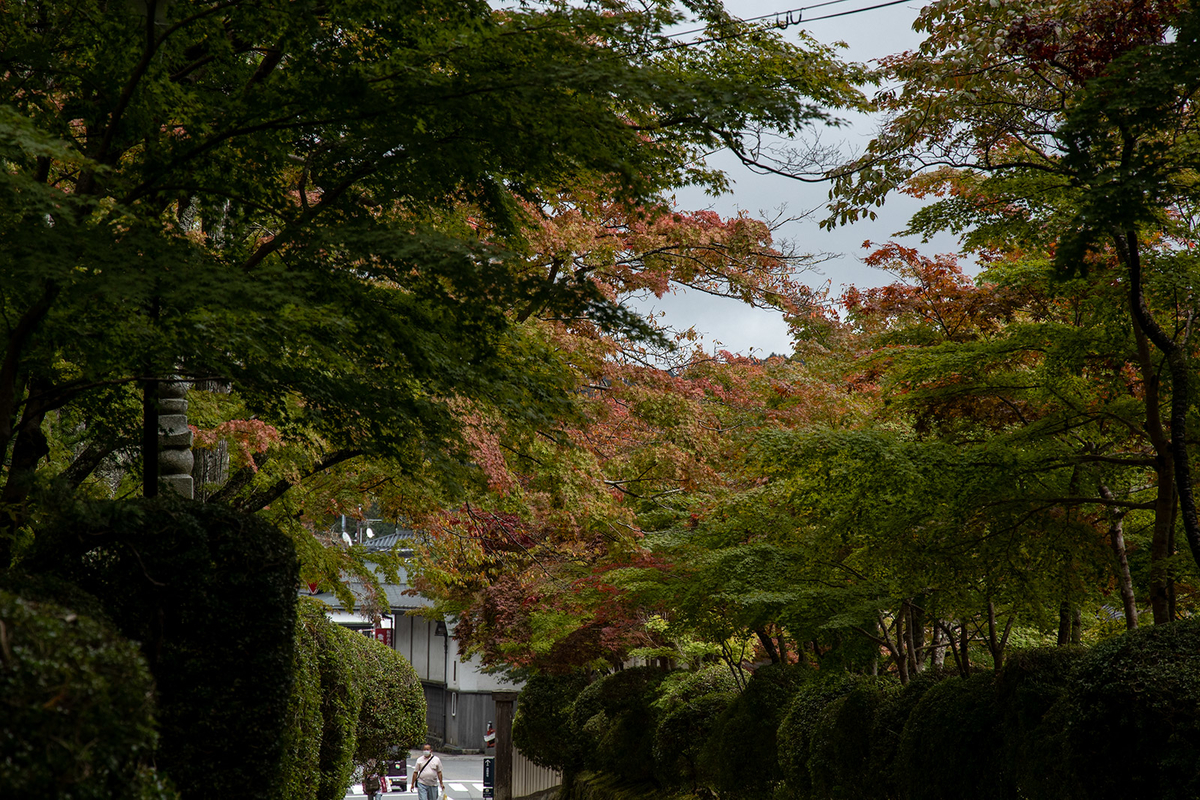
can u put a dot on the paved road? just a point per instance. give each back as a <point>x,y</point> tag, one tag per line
<point>463,774</point>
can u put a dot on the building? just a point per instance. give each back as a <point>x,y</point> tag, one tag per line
<point>457,690</point>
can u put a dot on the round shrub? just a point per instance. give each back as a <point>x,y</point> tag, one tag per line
<point>689,704</point>
<point>210,595</point>
<point>1133,716</point>
<point>839,749</point>
<point>542,728</point>
<point>740,757</point>
<point>302,747</point>
<point>392,714</point>
<point>1028,687</point>
<point>616,718</point>
<point>76,708</point>
<point>950,748</point>
<point>895,707</point>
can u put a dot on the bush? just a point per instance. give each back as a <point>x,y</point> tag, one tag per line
<point>951,746</point>
<point>341,702</point>
<point>689,705</point>
<point>1027,688</point>
<point>740,756</point>
<point>1133,716</point>
<point>77,707</point>
<point>616,717</point>
<point>392,713</point>
<point>210,595</point>
<point>891,716</point>
<point>542,728</point>
<point>302,748</point>
<point>839,750</point>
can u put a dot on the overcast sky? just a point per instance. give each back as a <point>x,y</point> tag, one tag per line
<point>728,324</point>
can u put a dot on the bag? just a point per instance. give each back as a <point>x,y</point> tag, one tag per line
<point>371,784</point>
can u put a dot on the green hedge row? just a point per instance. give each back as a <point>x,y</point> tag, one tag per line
<point>76,699</point>
<point>353,701</point>
<point>1118,720</point>
<point>164,633</point>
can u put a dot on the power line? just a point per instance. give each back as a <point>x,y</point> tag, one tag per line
<point>858,10</point>
<point>784,19</point>
<point>786,16</point>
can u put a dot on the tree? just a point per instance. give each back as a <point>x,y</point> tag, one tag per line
<point>264,194</point>
<point>1063,126</point>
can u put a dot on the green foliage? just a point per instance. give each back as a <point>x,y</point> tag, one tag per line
<point>542,727</point>
<point>341,702</point>
<point>957,724</point>
<point>1027,689</point>
<point>799,727</point>
<point>77,700</point>
<point>888,729</point>
<point>210,595</point>
<point>1133,716</point>
<point>392,714</point>
<point>301,761</point>
<point>328,204</point>
<point>616,717</point>
<point>839,744</point>
<point>740,756</point>
<point>690,704</point>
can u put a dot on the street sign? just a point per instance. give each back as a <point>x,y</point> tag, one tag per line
<point>489,793</point>
<point>489,773</point>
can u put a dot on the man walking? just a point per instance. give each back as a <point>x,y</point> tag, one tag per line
<point>427,772</point>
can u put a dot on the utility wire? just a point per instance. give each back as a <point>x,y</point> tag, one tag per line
<point>783,20</point>
<point>785,15</point>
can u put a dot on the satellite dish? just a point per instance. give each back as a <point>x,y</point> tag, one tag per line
<point>370,533</point>
<point>346,538</point>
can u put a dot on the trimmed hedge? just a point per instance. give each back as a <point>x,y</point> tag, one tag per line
<point>392,712</point>
<point>302,747</point>
<point>839,751</point>
<point>617,718</point>
<point>740,756</point>
<point>690,704</point>
<point>542,728</point>
<point>1028,688</point>
<point>341,702</point>
<point>77,708</point>
<point>210,595</point>
<point>892,715</point>
<point>951,746</point>
<point>1133,716</point>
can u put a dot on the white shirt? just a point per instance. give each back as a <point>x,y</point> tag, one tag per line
<point>428,771</point>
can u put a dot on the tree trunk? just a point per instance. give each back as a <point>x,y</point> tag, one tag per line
<point>1116,538</point>
<point>997,643</point>
<point>1164,479</point>
<point>937,646</point>
<point>1178,368</point>
<point>911,643</point>
<point>768,645</point>
<point>917,626</point>
<point>1064,624</point>
<point>11,368</point>
<point>965,668</point>
<point>901,651</point>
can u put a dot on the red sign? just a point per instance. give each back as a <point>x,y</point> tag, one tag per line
<point>384,635</point>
